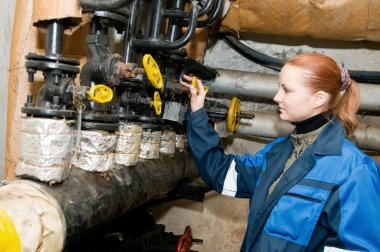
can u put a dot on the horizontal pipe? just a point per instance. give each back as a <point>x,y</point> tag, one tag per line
<point>269,125</point>
<point>102,5</point>
<point>86,201</point>
<point>241,83</point>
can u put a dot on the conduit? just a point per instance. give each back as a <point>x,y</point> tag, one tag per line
<point>276,64</point>
<point>241,83</point>
<point>269,125</point>
<point>62,213</point>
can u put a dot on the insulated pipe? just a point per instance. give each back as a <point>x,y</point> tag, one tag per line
<point>101,5</point>
<point>276,64</point>
<point>269,125</point>
<point>85,201</point>
<point>260,85</point>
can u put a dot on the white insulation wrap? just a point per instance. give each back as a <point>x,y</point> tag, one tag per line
<point>180,142</point>
<point>150,144</point>
<point>128,144</point>
<point>168,141</point>
<point>95,151</point>
<point>30,208</point>
<point>45,148</point>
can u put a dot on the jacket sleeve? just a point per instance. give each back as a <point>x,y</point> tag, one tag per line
<point>228,174</point>
<point>357,222</point>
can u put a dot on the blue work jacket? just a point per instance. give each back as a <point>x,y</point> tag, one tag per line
<point>329,196</point>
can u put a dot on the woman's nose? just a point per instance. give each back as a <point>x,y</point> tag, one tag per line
<point>277,97</point>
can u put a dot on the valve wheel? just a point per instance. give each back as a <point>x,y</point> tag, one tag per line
<point>233,115</point>
<point>185,241</point>
<point>157,104</point>
<point>195,84</point>
<point>100,93</point>
<point>153,71</point>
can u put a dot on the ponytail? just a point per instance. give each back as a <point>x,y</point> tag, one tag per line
<point>347,107</point>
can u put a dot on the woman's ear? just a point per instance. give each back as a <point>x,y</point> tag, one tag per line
<point>320,99</point>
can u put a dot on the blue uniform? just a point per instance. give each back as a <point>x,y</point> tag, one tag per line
<point>329,196</point>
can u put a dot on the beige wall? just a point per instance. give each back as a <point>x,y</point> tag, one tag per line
<point>6,25</point>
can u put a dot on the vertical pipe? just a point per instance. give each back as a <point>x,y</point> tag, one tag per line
<point>156,19</point>
<point>130,32</point>
<point>173,30</point>
<point>54,38</point>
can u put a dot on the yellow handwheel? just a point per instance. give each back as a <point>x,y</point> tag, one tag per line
<point>152,71</point>
<point>233,115</point>
<point>100,93</point>
<point>9,239</point>
<point>157,104</point>
<point>195,84</point>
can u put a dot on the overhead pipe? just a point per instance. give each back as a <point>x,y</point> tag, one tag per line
<point>103,5</point>
<point>269,125</point>
<point>48,218</point>
<point>216,13</point>
<point>151,44</point>
<point>260,85</point>
<point>276,64</point>
<point>180,14</point>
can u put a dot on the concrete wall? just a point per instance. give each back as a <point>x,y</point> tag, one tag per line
<point>6,27</point>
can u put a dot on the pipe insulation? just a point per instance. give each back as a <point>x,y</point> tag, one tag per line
<point>45,215</point>
<point>269,125</point>
<point>333,19</point>
<point>242,83</point>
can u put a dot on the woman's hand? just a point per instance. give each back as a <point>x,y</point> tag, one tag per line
<point>197,99</point>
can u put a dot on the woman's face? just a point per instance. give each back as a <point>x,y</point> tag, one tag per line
<point>296,102</point>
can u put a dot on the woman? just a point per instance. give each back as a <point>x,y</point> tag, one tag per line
<point>308,191</point>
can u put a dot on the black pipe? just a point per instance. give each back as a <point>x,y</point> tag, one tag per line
<point>89,200</point>
<point>131,28</point>
<point>166,45</point>
<point>372,77</point>
<point>103,5</point>
<point>180,14</point>
<point>156,19</point>
<point>217,13</point>
<point>54,38</point>
<point>173,29</point>
<point>253,55</point>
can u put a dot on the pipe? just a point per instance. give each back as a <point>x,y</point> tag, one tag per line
<point>269,125</point>
<point>54,38</point>
<point>216,13</point>
<point>165,45</point>
<point>277,64</point>
<point>173,29</point>
<point>156,19</point>
<point>180,14</point>
<point>101,5</point>
<point>86,201</point>
<point>243,83</point>
<point>131,29</point>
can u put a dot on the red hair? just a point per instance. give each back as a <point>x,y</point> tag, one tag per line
<point>323,74</point>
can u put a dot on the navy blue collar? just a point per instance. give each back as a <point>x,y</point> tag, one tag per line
<point>330,140</point>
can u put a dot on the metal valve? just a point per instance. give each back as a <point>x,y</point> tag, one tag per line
<point>153,71</point>
<point>100,93</point>
<point>156,103</point>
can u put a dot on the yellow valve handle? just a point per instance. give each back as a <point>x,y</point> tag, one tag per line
<point>153,71</point>
<point>157,104</point>
<point>9,239</point>
<point>195,84</point>
<point>100,93</point>
<point>233,115</point>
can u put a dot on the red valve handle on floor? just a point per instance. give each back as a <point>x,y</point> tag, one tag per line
<point>185,241</point>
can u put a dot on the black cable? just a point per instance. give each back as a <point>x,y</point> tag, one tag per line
<point>276,64</point>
